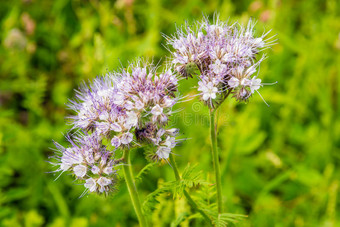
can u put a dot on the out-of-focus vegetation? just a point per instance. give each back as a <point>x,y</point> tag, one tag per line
<point>280,165</point>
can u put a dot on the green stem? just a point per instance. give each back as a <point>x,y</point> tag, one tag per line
<point>216,162</point>
<point>186,194</point>
<point>132,189</point>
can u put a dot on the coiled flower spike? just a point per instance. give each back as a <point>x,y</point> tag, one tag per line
<point>225,56</point>
<point>129,108</point>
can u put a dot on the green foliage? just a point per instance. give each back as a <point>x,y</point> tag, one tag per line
<point>146,169</point>
<point>190,178</point>
<point>179,219</point>
<point>279,165</point>
<point>223,219</point>
<point>151,201</point>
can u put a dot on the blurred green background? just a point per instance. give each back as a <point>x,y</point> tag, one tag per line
<point>280,164</point>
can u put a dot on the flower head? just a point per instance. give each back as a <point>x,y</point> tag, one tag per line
<point>128,108</point>
<point>88,160</point>
<point>225,54</point>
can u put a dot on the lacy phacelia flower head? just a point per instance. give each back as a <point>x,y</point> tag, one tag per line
<point>223,55</point>
<point>121,102</point>
<point>89,161</point>
<point>129,109</point>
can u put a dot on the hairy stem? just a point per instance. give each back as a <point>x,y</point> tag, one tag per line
<point>132,189</point>
<point>186,194</point>
<point>216,162</point>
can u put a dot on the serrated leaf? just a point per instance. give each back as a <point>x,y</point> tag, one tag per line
<point>151,201</point>
<point>222,220</point>
<point>192,176</point>
<point>144,171</point>
<point>181,217</point>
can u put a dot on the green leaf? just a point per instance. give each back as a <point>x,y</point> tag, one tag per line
<point>222,220</point>
<point>16,194</point>
<point>181,217</point>
<point>191,177</point>
<point>144,171</point>
<point>151,201</point>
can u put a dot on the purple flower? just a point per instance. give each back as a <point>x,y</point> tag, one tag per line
<point>129,108</point>
<point>208,90</point>
<point>225,56</point>
<point>87,159</point>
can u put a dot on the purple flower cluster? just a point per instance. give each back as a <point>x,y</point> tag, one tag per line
<point>89,161</point>
<point>129,109</point>
<point>225,56</point>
